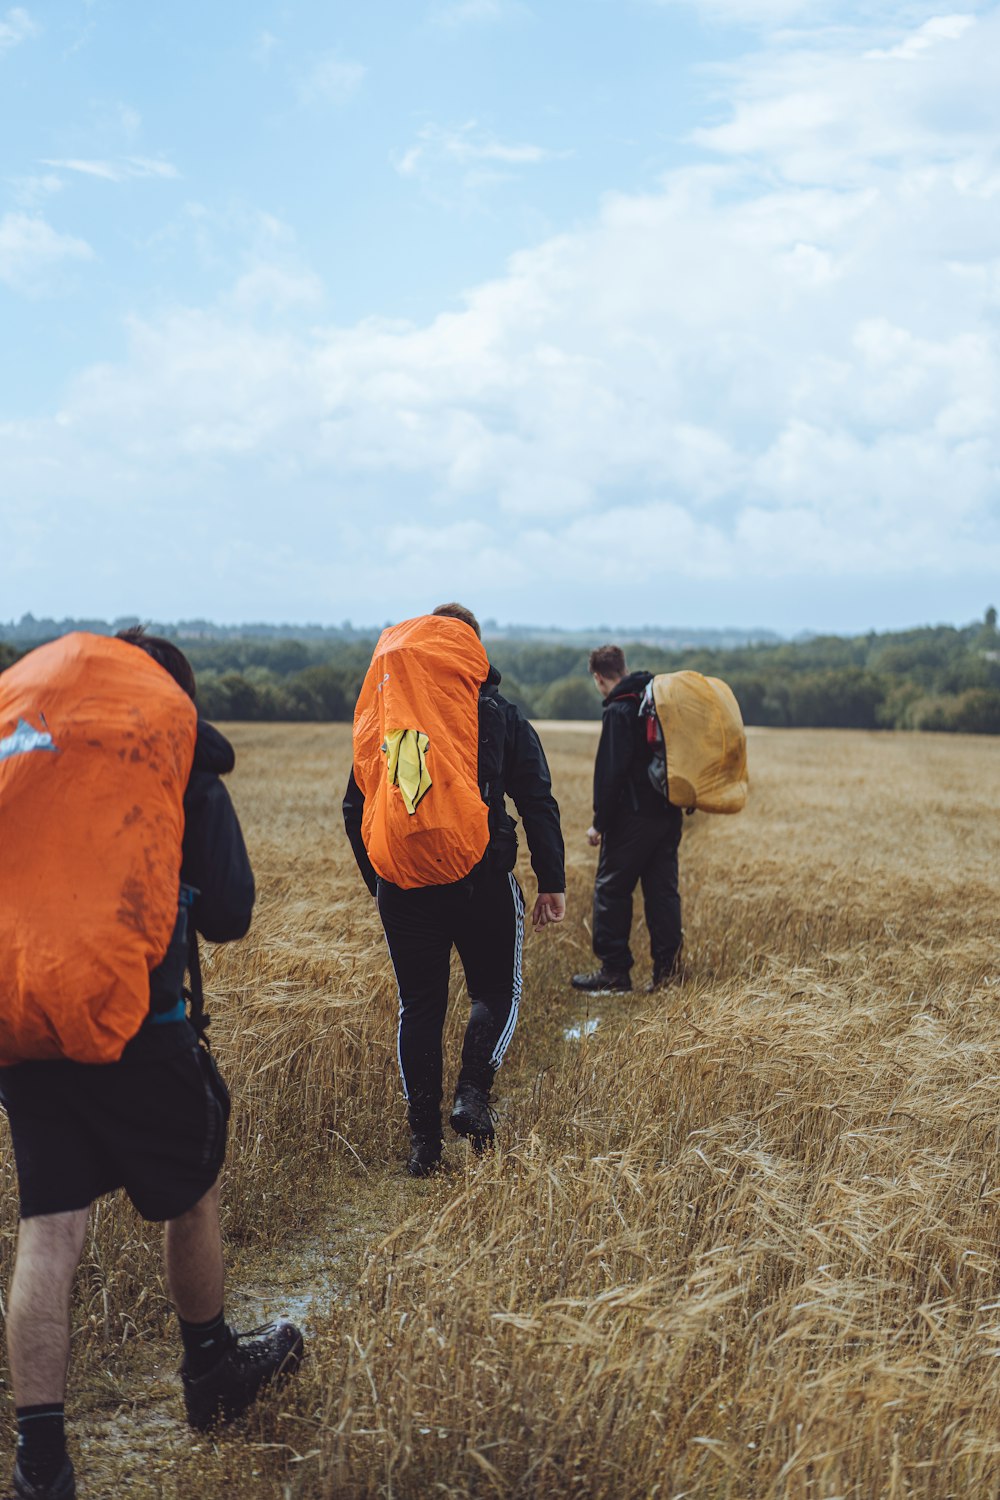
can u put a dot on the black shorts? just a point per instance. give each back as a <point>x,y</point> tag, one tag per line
<point>157,1128</point>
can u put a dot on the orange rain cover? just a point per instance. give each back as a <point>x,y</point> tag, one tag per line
<point>425,677</point>
<point>706,742</point>
<point>96,746</point>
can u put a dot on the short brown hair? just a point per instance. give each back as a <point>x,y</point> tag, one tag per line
<point>170,657</point>
<point>459,612</point>
<point>607,661</point>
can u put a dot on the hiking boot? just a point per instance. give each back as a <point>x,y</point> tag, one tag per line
<point>425,1154</point>
<point>665,976</point>
<point>603,982</point>
<point>63,1487</point>
<point>472,1116</point>
<point>251,1361</point>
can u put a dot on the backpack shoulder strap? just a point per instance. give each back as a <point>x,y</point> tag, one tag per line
<point>195,992</point>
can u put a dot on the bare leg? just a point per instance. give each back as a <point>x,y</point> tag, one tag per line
<point>192,1253</point>
<point>48,1252</point>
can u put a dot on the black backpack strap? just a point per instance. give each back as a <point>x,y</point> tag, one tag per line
<point>194,994</point>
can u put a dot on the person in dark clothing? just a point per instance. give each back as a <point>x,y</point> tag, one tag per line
<point>482,916</point>
<point>154,1122</point>
<point>638,832</point>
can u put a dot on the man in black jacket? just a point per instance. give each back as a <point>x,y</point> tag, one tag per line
<point>154,1122</point>
<point>482,916</point>
<point>638,832</point>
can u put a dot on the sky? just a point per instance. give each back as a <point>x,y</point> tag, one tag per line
<point>677,312</point>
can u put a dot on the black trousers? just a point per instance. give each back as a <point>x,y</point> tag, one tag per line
<point>483,917</point>
<point>636,849</point>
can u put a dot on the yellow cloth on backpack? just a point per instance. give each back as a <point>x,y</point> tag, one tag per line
<point>705,741</point>
<point>405,751</point>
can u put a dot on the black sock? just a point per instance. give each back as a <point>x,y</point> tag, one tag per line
<point>41,1441</point>
<point>204,1343</point>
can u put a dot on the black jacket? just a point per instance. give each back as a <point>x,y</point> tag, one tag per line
<point>214,858</point>
<point>511,764</point>
<point>621,770</point>
<point>215,863</point>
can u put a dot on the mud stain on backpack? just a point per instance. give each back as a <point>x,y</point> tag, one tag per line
<point>132,910</point>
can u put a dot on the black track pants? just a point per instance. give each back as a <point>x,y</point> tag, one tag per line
<point>483,918</point>
<point>635,849</point>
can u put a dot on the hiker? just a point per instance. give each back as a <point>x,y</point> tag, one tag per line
<point>113,1087</point>
<point>473,901</point>
<point>638,832</point>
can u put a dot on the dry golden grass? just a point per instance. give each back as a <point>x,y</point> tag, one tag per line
<point>741,1242</point>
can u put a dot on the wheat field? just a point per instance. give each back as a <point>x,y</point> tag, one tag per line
<point>738,1240</point>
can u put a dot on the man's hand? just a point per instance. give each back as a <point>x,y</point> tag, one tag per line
<point>549,907</point>
<point>593,837</point>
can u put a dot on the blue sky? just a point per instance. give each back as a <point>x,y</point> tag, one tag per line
<point>612,310</point>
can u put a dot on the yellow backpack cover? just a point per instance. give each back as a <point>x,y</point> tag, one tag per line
<point>705,742</point>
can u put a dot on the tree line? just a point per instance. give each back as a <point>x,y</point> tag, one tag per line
<point>932,678</point>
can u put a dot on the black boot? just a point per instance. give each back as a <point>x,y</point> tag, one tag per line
<point>471,1116</point>
<point>424,1118</point>
<point>667,974</point>
<point>603,981</point>
<point>62,1487</point>
<point>250,1363</point>
<point>425,1153</point>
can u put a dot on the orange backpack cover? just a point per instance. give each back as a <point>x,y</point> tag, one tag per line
<point>416,752</point>
<point>96,746</point>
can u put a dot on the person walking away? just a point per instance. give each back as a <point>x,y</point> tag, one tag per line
<point>638,832</point>
<point>120,844</point>
<point>476,904</point>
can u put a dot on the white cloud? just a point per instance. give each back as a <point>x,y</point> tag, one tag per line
<point>102,169</point>
<point>33,190</point>
<point>456,13</point>
<point>265,44</point>
<point>129,119</point>
<point>466,146</point>
<point>756,13</point>
<point>937,29</point>
<point>278,289</point>
<point>332,79</point>
<point>767,15</point>
<point>124,170</point>
<point>16,27</point>
<point>256,253</point>
<point>31,252</point>
<point>824,112</point>
<point>781,365</point>
<point>458,166</point>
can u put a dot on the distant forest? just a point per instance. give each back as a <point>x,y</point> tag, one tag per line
<point>932,678</point>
